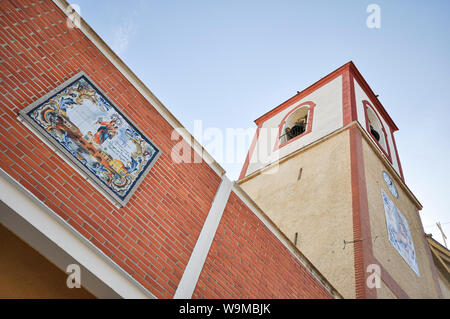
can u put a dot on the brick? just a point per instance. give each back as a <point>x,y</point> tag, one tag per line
<point>263,258</point>
<point>152,237</point>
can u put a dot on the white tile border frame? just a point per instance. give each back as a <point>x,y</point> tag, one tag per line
<point>76,168</point>
<point>194,267</point>
<point>62,152</point>
<point>36,213</point>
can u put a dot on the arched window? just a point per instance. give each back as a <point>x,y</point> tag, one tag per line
<point>296,123</point>
<point>376,129</point>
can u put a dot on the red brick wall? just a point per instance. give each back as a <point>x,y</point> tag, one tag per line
<point>246,260</point>
<point>153,235</point>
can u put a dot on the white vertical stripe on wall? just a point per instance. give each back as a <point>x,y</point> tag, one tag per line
<point>195,264</point>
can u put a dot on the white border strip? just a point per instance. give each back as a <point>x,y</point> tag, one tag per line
<point>24,117</point>
<point>36,213</point>
<point>195,264</point>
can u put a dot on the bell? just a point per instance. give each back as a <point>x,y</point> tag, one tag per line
<point>374,133</point>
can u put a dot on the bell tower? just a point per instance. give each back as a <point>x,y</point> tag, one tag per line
<point>324,167</point>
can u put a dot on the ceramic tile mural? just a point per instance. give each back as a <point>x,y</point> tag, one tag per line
<point>399,233</point>
<point>92,133</point>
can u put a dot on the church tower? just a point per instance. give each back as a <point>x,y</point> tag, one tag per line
<point>324,167</point>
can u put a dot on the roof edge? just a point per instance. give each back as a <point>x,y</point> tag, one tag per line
<point>355,72</point>
<point>366,87</point>
<point>92,36</point>
<point>305,92</point>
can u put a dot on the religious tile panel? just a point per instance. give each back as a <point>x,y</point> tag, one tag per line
<point>399,233</point>
<point>91,132</point>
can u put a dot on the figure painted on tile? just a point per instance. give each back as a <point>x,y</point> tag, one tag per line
<point>399,233</point>
<point>107,130</point>
<point>94,132</point>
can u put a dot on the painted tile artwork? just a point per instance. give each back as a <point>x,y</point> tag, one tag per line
<point>94,134</point>
<point>399,233</point>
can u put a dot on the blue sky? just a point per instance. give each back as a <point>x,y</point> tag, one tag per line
<point>228,62</point>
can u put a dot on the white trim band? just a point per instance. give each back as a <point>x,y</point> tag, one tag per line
<point>195,264</point>
<point>47,222</point>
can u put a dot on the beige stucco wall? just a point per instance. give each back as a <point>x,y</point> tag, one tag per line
<point>415,286</point>
<point>384,292</point>
<point>24,273</point>
<point>318,206</point>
